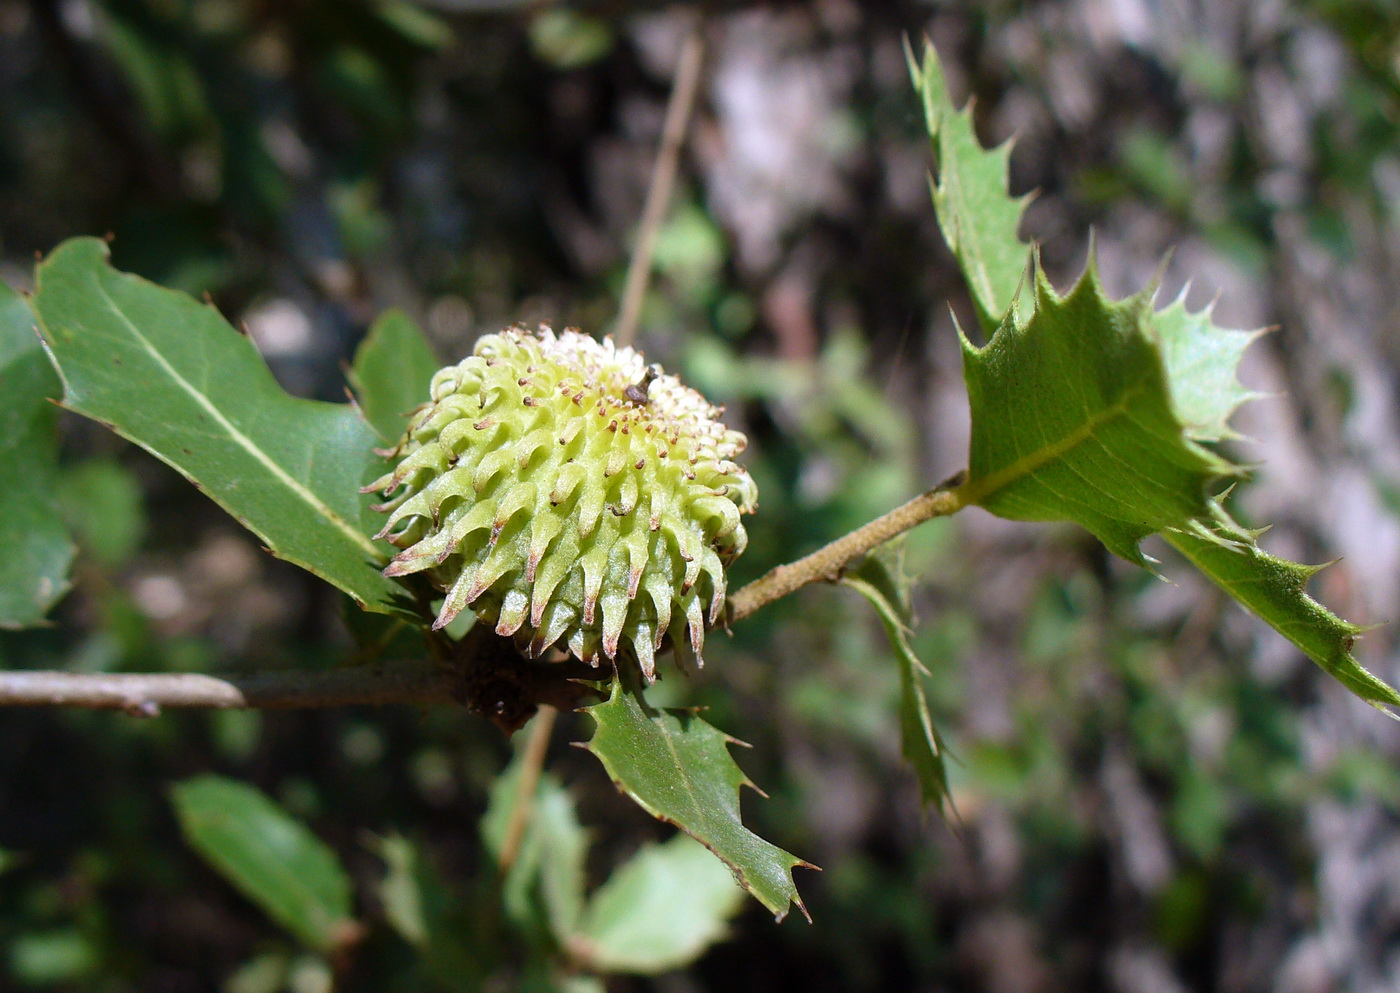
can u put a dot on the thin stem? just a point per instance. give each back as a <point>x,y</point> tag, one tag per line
<point>663,175</point>
<point>826,563</point>
<point>144,695</point>
<point>524,803</point>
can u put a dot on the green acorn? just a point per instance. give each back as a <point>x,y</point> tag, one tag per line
<point>568,493</point>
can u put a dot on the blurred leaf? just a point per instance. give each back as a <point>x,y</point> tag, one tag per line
<point>1276,590</point>
<point>544,889</point>
<point>34,568</point>
<point>976,213</point>
<point>101,502</point>
<point>420,26</point>
<point>880,578</point>
<point>679,770</point>
<point>659,911</point>
<point>45,958</point>
<point>428,916</point>
<point>566,39</point>
<point>171,375</point>
<point>393,370</point>
<point>269,856</point>
<point>266,973</point>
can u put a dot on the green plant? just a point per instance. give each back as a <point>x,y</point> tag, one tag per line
<point>1084,409</point>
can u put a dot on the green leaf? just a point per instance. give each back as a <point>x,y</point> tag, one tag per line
<point>543,892</point>
<point>269,856</point>
<point>1276,590</point>
<point>976,212</point>
<point>659,911</point>
<point>679,770</point>
<point>34,568</point>
<point>393,369</point>
<point>880,578</point>
<point>1073,420</point>
<point>101,501</point>
<point>1202,361</point>
<point>170,374</point>
<point>1094,411</point>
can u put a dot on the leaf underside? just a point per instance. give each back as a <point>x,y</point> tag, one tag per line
<point>170,374</point>
<point>880,578</point>
<point>38,551</point>
<point>1095,411</point>
<point>679,770</point>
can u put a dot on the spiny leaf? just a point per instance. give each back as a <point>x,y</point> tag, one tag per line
<point>1093,411</point>
<point>1276,590</point>
<point>1073,420</point>
<point>34,567</point>
<point>170,374</point>
<point>978,216</point>
<point>1202,360</point>
<point>880,578</point>
<point>392,371</point>
<point>679,770</point>
<point>658,911</point>
<point>269,856</point>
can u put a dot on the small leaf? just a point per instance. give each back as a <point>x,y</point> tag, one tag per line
<point>1073,420</point>
<point>976,212</point>
<point>1275,590</point>
<point>879,577</point>
<point>38,552</point>
<point>269,856</point>
<point>659,911</point>
<point>679,770</point>
<point>393,369</point>
<point>170,374</point>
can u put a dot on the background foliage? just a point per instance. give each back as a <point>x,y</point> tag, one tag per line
<point>1155,792</point>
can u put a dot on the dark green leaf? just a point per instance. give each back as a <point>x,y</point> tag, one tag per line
<point>879,577</point>
<point>976,212</point>
<point>678,768</point>
<point>269,856</point>
<point>171,374</point>
<point>659,911</point>
<point>34,568</point>
<point>1276,590</point>
<point>393,368</point>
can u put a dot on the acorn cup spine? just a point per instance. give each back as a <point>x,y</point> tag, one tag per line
<point>571,495</point>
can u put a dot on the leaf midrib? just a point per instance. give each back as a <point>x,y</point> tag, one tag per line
<point>238,436</point>
<point>976,491</point>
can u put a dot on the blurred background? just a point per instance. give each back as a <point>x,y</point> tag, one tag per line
<point>1154,792</point>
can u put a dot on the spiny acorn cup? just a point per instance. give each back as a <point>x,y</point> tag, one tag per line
<point>569,493</point>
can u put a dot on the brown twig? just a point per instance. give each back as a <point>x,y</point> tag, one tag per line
<point>523,805</point>
<point>663,175</point>
<point>826,563</point>
<point>145,695</point>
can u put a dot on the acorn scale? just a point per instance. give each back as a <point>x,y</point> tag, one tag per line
<point>570,495</point>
